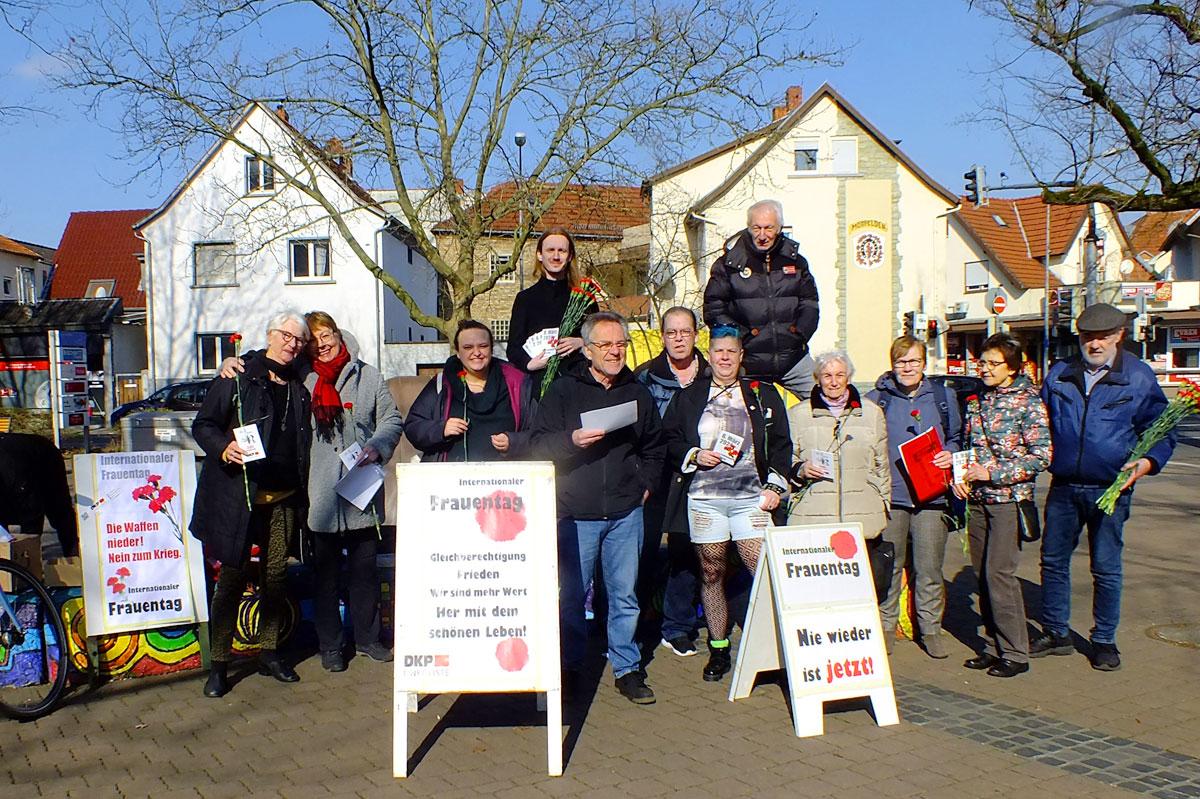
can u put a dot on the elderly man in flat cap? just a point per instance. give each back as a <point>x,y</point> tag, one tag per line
<point>1099,404</point>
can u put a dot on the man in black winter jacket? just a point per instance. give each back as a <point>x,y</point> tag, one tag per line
<point>603,478</point>
<point>761,284</point>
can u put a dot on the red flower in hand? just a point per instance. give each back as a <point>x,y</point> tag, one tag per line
<point>235,338</point>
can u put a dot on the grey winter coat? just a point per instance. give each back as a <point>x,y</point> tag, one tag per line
<point>376,422</point>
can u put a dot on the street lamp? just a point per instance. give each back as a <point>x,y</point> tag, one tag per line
<point>519,139</point>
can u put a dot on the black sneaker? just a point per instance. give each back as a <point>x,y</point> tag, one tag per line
<point>680,645</point>
<point>719,664</point>
<point>377,652</point>
<point>1105,657</point>
<point>332,660</point>
<point>1049,643</point>
<point>633,687</point>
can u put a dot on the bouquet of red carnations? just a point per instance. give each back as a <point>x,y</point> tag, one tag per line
<point>582,296</point>
<point>1186,402</point>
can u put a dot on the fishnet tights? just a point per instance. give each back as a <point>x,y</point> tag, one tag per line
<point>714,559</point>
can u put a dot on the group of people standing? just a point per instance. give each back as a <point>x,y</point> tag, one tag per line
<point>713,457</point>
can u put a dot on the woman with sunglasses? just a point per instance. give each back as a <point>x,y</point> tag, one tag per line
<point>727,440</point>
<point>239,504</point>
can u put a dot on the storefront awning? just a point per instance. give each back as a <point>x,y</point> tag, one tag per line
<point>1030,322</point>
<point>1181,317</point>
<point>969,326</point>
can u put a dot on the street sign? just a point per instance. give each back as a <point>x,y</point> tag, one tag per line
<point>999,303</point>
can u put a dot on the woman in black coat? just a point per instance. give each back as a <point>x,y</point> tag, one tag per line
<point>239,504</point>
<point>727,440</point>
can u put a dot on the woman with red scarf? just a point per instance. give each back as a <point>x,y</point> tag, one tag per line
<point>351,406</point>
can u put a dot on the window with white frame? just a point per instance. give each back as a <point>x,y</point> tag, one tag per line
<point>845,156</point>
<point>806,155</point>
<point>499,261</point>
<point>214,264</point>
<point>211,349</point>
<point>25,291</point>
<point>499,329</point>
<point>310,260</point>
<point>260,176</point>
<point>976,277</point>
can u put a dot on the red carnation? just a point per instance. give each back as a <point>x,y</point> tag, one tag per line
<point>143,492</point>
<point>462,375</point>
<point>235,338</point>
<point>166,493</point>
<point>154,479</point>
<point>155,505</point>
<point>349,406</point>
<point>916,414</point>
<point>973,398</point>
<point>855,405</point>
<point>754,384</point>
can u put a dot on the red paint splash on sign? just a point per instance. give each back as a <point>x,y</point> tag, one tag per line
<point>843,544</point>
<point>501,517</point>
<point>512,654</point>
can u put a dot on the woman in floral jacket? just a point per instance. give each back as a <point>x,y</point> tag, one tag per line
<point>1008,438</point>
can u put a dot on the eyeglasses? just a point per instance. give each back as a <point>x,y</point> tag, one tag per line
<point>326,338</point>
<point>678,333</point>
<point>991,364</point>
<point>605,346</point>
<point>289,338</point>
<point>908,363</point>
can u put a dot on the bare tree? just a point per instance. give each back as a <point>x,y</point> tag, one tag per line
<point>420,93</point>
<point>1115,106</point>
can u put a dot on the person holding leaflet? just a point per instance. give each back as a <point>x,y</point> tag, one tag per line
<point>727,437</point>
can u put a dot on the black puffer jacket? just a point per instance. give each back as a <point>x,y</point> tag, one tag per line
<point>770,295</point>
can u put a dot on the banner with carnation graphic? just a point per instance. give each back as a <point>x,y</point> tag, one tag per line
<point>476,578</point>
<point>141,567</point>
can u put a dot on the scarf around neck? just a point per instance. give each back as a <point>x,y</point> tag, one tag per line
<point>326,402</point>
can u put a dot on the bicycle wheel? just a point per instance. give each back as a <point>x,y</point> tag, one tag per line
<point>33,646</point>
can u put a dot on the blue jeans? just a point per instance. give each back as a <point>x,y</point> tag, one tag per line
<point>617,542</point>
<point>1069,509</point>
<point>682,589</point>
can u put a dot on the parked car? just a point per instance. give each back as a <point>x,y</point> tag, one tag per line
<point>175,397</point>
<point>962,385</point>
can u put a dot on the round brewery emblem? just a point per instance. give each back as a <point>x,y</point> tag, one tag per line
<point>745,271</point>
<point>868,251</point>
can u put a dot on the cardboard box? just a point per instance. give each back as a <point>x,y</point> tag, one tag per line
<point>63,572</point>
<point>24,550</point>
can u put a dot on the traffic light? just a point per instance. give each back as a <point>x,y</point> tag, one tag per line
<point>909,322</point>
<point>974,188</point>
<point>932,331</point>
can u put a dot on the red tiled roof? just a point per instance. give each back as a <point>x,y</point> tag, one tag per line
<point>586,210</point>
<point>1019,244</point>
<point>8,245</point>
<point>100,245</point>
<point>1149,233</point>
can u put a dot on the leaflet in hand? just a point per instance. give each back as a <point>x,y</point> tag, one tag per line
<point>360,484</point>
<point>728,446</point>
<point>542,342</point>
<point>611,418</point>
<point>961,460</point>
<point>349,455</point>
<point>822,460</point>
<point>248,439</point>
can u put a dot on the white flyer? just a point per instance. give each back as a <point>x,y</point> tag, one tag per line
<point>249,440</point>
<point>360,484</point>
<point>614,417</point>
<point>728,447</point>
<point>542,342</point>
<point>822,460</point>
<point>349,455</point>
<point>961,461</point>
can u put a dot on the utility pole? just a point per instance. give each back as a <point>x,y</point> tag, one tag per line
<point>519,139</point>
<point>1090,258</point>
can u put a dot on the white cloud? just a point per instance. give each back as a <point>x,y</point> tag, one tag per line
<point>38,66</point>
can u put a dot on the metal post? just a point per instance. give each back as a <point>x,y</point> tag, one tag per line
<point>1046,303</point>
<point>519,138</point>
<point>1090,258</point>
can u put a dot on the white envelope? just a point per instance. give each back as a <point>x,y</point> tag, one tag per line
<point>360,484</point>
<point>249,440</point>
<point>611,418</point>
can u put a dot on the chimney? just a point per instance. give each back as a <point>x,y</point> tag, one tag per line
<point>792,100</point>
<point>281,112</point>
<point>338,156</point>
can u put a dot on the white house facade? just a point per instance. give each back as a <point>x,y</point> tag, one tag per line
<point>239,241</point>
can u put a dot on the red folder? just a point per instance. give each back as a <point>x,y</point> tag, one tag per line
<point>928,481</point>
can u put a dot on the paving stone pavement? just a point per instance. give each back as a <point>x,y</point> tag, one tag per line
<point>1062,730</point>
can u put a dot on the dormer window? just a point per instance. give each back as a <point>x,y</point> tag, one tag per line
<point>260,176</point>
<point>99,288</point>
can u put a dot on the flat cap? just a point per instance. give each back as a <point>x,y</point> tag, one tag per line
<point>1100,317</point>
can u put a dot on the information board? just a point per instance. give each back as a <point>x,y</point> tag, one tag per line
<point>142,568</point>
<point>813,612</point>
<point>476,587</point>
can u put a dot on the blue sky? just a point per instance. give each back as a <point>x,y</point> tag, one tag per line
<point>916,69</point>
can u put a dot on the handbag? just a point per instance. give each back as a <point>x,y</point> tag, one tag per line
<point>1029,524</point>
<point>882,555</point>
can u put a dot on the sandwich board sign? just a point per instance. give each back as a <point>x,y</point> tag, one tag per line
<point>476,589</point>
<point>813,612</point>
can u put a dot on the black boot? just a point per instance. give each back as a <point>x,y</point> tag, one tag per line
<point>270,665</point>
<point>218,680</point>
<point>719,663</point>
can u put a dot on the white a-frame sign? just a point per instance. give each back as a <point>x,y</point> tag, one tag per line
<point>813,612</point>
